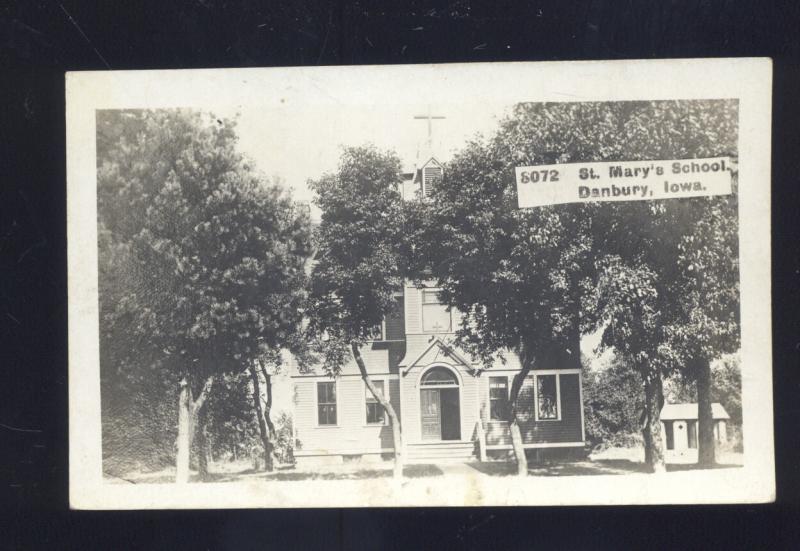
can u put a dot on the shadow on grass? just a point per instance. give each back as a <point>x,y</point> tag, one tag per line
<point>578,468</point>
<point>582,468</point>
<point>410,471</point>
<point>694,467</point>
<point>499,468</point>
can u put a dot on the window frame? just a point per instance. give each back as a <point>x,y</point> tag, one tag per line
<point>335,403</point>
<point>507,401</point>
<point>366,392</point>
<point>382,335</point>
<point>536,397</point>
<point>422,305</point>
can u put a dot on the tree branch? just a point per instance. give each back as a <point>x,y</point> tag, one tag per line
<point>201,398</point>
<point>268,401</point>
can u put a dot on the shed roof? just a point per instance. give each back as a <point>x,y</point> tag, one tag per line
<point>689,411</point>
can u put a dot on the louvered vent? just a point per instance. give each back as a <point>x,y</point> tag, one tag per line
<point>431,176</point>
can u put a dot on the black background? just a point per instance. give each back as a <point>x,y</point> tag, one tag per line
<point>41,40</point>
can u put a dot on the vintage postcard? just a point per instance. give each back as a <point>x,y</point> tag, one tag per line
<point>433,285</point>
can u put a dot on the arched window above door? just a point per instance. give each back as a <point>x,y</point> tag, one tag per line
<point>439,376</point>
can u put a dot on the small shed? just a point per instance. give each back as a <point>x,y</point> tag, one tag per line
<point>679,429</point>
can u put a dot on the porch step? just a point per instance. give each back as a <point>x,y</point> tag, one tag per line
<point>435,452</point>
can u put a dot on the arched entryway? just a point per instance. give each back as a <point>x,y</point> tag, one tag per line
<point>440,408</point>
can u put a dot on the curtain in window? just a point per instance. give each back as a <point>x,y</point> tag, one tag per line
<point>546,396</point>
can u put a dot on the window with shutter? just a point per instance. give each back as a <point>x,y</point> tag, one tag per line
<point>431,176</point>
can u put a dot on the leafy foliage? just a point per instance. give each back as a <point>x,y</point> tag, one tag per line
<point>284,443</point>
<point>201,259</point>
<point>232,431</point>
<point>215,254</point>
<point>360,262</point>
<point>612,403</point>
<point>516,274</point>
<point>659,277</point>
<point>667,287</point>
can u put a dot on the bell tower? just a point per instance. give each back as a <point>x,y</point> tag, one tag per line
<point>428,169</point>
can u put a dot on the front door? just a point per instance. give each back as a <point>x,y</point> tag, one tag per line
<point>431,414</point>
<point>451,424</point>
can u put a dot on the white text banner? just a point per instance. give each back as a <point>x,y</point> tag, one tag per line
<point>543,185</point>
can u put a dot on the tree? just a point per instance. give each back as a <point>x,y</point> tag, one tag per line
<point>262,369</point>
<point>214,254</point>
<point>360,263</point>
<point>628,304</point>
<point>516,275</point>
<point>685,252</point>
<point>528,279</point>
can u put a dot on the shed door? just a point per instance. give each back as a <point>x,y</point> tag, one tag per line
<point>431,414</point>
<point>681,438</point>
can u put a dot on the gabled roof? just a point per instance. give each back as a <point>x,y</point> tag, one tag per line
<point>447,349</point>
<point>672,412</point>
<point>431,160</point>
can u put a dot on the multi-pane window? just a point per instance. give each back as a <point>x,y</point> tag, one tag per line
<point>326,403</point>
<point>436,316</point>
<point>546,397</point>
<point>498,398</point>
<point>377,332</point>
<point>375,412</point>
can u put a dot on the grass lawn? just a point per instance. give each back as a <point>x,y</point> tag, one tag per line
<point>613,461</point>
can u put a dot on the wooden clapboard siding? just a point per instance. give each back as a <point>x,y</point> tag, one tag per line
<point>351,431</point>
<point>470,396</point>
<point>412,430</point>
<point>567,429</point>
<point>413,308</point>
<point>380,358</point>
<point>407,344</point>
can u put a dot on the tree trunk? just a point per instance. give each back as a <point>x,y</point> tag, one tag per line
<point>394,420</point>
<point>269,465</point>
<point>526,359</point>
<point>187,421</point>
<point>202,444</point>
<point>705,420</point>
<point>262,425</point>
<point>513,423</point>
<point>651,426</point>
<point>184,433</point>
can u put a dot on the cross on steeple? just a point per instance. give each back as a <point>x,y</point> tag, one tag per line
<point>430,118</point>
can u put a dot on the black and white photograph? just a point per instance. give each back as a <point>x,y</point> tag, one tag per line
<point>438,285</point>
